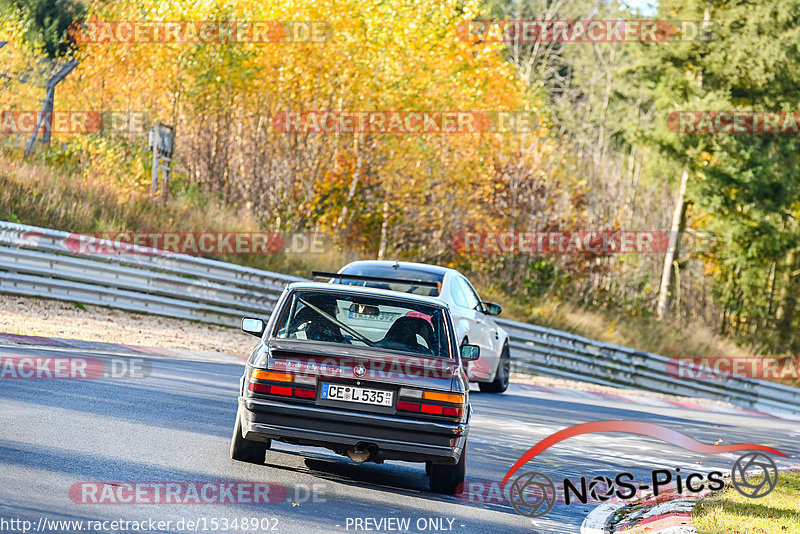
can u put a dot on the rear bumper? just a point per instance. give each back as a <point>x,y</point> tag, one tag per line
<point>339,430</point>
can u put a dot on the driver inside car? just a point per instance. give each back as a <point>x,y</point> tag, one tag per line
<point>413,334</point>
<point>310,324</point>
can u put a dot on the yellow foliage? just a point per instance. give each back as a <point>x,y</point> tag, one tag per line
<point>18,59</point>
<point>384,56</point>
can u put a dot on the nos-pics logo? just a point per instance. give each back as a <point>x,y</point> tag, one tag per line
<point>533,494</point>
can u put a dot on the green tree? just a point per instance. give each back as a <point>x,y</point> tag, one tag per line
<point>48,22</point>
<point>746,187</point>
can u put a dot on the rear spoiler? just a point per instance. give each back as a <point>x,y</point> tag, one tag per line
<point>360,278</point>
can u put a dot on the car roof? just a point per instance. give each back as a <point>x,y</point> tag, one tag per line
<point>406,265</point>
<point>371,291</point>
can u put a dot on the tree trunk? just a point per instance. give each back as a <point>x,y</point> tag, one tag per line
<point>788,303</point>
<point>678,215</point>
<point>351,193</point>
<point>384,231</point>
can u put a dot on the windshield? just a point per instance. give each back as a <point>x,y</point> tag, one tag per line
<point>392,273</point>
<point>364,321</point>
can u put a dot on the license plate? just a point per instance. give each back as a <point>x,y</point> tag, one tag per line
<point>354,394</point>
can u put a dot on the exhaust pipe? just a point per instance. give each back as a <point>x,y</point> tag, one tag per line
<point>362,452</point>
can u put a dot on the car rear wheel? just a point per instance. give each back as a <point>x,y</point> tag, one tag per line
<point>245,450</point>
<point>501,377</point>
<point>449,479</point>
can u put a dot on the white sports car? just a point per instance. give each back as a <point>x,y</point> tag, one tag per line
<point>472,317</point>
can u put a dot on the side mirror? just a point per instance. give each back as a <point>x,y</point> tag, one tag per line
<point>470,352</point>
<point>492,308</point>
<point>253,326</point>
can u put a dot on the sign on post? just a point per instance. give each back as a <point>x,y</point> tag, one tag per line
<point>162,143</point>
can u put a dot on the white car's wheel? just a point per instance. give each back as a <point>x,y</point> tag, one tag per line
<point>501,377</point>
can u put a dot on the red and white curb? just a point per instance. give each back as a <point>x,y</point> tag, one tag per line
<point>669,513</point>
<point>666,514</point>
<point>599,520</point>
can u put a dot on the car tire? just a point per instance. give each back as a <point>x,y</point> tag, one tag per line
<point>501,377</point>
<point>449,479</point>
<point>245,450</point>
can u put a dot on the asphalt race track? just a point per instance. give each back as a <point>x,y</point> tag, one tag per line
<point>175,426</point>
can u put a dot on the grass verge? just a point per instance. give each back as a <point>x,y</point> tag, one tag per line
<point>39,195</point>
<point>730,512</point>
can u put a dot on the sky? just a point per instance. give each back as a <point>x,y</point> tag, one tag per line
<point>648,7</point>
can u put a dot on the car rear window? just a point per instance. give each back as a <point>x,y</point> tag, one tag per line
<point>364,320</point>
<point>395,274</point>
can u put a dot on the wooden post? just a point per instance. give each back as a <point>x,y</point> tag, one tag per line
<point>47,108</point>
<point>156,128</point>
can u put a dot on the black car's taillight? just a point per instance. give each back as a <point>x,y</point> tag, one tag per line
<point>431,402</point>
<point>282,384</point>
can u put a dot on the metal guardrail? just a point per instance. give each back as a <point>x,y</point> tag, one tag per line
<point>557,354</point>
<point>46,263</point>
<point>49,263</point>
